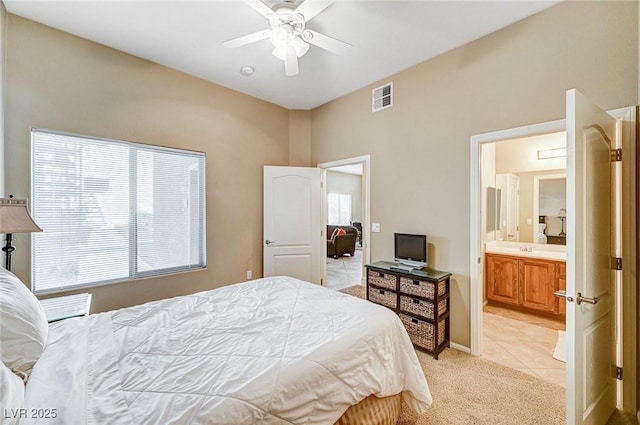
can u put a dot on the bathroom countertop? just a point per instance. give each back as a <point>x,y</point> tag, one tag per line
<point>529,250</point>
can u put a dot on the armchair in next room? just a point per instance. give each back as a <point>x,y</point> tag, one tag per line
<point>338,245</point>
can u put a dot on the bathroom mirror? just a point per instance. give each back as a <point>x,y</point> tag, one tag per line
<point>494,196</point>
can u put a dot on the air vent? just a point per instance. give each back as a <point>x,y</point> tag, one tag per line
<point>382,97</point>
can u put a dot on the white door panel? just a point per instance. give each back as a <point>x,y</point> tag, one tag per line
<point>591,389</point>
<point>292,223</point>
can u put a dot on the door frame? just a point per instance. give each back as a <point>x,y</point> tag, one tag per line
<point>365,160</point>
<point>627,297</point>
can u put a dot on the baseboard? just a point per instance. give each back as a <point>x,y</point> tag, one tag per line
<point>460,347</point>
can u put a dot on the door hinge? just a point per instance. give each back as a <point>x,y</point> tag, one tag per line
<point>616,263</point>
<point>616,155</point>
<point>618,373</point>
<point>321,282</point>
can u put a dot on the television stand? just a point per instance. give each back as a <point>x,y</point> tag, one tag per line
<point>403,267</point>
<point>419,296</point>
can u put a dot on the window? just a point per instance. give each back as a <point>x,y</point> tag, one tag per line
<point>339,209</point>
<point>113,211</point>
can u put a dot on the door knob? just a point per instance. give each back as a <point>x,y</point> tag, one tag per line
<point>579,299</point>
<point>269,243</point>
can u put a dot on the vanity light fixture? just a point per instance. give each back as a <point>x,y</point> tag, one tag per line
<point>552,153</point>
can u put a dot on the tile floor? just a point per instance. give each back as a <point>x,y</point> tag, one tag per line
<point>344,271</point>
<point>523,342</point>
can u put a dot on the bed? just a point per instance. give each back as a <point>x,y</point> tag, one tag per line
<point>269,351</point>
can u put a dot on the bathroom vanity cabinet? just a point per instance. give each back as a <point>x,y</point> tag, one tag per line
<point>525,283</point>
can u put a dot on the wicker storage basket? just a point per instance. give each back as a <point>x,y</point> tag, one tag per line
<point>422,333</point>
<point>382,279</point>
<point>384,297</point>
<point>421,307</point>
<point>422,288</point>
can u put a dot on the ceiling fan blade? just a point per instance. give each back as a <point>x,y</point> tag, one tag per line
<point>325,42</point>
<point>261,8</point>
<point>247,39</point>
<point>291,64</point>
<point>310,8</point>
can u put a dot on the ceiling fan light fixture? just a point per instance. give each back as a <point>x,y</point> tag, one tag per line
<point>280,52</point>
<point>300,46</point>
<point>279,37</point>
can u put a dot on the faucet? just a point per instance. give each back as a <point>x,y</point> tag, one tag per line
<point>526,249</point>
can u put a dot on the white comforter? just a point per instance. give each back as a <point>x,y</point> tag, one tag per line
<point>269,351</point>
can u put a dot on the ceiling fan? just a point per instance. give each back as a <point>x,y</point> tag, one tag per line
<point>289,35</point>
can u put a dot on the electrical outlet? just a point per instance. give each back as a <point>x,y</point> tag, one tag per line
<point>375,227</point>
<point>249,274</point>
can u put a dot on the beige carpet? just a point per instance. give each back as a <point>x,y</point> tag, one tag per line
<point>472,390</point>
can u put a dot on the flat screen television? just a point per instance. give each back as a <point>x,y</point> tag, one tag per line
<point>410,250</point>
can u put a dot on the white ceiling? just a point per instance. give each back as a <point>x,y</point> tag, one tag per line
<point>387,37</point>
<point>348,169</point>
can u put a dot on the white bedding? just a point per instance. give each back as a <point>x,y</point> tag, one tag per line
<point>269,351</point>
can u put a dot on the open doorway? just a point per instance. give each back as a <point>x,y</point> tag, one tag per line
<point>523,323</point>
<point>346,217</point>
<point>625,290</point>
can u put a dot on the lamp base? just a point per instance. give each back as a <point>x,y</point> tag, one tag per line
<point>8,249</point>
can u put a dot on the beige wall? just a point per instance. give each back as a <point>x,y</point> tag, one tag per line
<point>300,138</point>
<point>514,77</point>
<point>59,81</point>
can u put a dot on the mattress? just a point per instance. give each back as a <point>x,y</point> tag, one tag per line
<point>269,351</point>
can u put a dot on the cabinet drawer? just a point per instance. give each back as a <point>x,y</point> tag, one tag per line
<point>384,297</point>
<point>421,307</point>
<point>422,333</point>
<point>422,288</point>
<point>382,279</point>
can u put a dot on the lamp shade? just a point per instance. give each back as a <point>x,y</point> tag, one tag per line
<point>562,213</point>
<point>15,217</point>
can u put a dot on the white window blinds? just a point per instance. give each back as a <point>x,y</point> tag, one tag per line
<point>338,209</point>
<point>112,211</point>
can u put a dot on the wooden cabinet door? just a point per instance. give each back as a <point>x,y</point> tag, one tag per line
<point>537,283</point>
<point>502,279</point>
<point>561,284</point>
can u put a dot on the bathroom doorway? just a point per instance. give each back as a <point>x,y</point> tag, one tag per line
<point>523,326</point>
<point>625,292</point>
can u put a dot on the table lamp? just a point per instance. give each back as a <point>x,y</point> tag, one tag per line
<point>14,218</point>
<point>562,215</point>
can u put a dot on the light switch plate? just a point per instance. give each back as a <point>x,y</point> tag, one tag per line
<point>529,221</point>
<point>375,227</point>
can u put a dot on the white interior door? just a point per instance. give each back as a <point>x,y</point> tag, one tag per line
<point>293,236</point>
<point>591,389</point>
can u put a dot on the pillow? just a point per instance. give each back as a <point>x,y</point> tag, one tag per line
<point>11,396</point>
<point>341,231</point>
<point>23,325</point>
